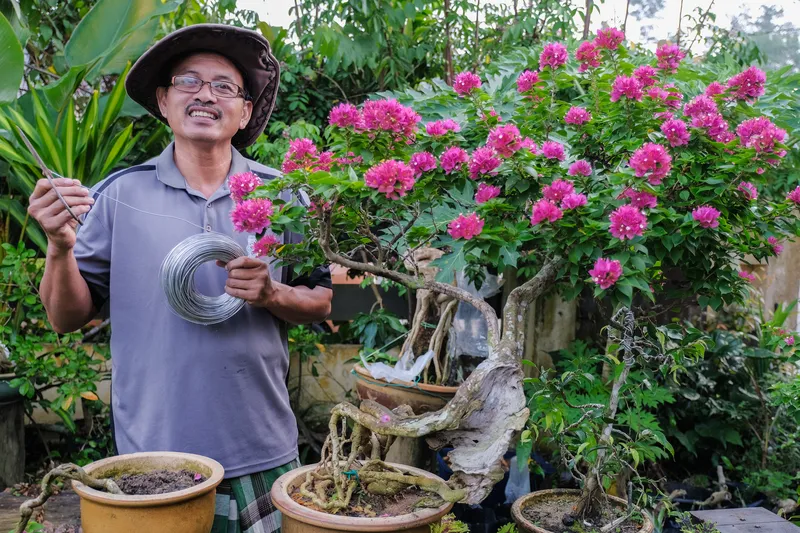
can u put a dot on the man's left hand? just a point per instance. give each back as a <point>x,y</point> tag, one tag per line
<point>249,280</point>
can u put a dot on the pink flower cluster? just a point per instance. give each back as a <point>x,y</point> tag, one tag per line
<point>554,55</point>
<point>748,190</point>
<point>486,192</point>
<point>252,216</point>
<point>573,201</point>
<point>606,272</point>
<point>543,210</point>
<point>465,226</point>
<point>393,178</point>
<point>794,196</point>
<point>706,216</point>
<point>527,81</point>
<point>465,83</point>
<point>442,127</point>
<point>505,140</point>
<point>626,86</point>
<point>553,150</point>
<point>577,116</point>
<point>627,222</point>
<point>454,158</point>
<point>651,161</point>
<point>346,115</point>
<point>676,133</point>
<point>556,191</point>
<point>704,114</point>
<point>484,161</point>
<point>714,88</point>
<point>302,154</point>
<point>761,135</point>
<point>580,168</point>
<point>776,246</point>
<point>422,162</point>
<point>640,199</point>
<point>265,245</point>
<point>391,116</point>
<point>243,184</point>
<point>645,75</point>
<point>669,57</point>
<point>609,38</point>
<point>589,56</point>
<point>747,276</point>
<point>748,85</point>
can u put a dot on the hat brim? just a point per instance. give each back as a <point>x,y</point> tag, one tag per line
<point>247,49</point>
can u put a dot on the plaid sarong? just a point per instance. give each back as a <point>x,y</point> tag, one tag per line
<point>243,503</point>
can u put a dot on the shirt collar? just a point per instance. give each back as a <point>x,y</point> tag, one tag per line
<point>167,172</point>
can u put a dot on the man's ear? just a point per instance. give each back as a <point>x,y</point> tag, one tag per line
<point>247,112</point>
<point>161,96</point>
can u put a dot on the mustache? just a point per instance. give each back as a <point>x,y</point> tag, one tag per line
<point>197,104</point>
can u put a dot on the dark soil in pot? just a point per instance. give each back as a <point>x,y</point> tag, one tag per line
<point>367,505</point>
<point>158,481</point>
<point>551,514</point>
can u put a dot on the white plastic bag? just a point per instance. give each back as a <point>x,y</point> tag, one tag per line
<point>406,368</point>
<point>519,482</point>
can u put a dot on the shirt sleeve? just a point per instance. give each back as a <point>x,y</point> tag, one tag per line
<point>93,250</point>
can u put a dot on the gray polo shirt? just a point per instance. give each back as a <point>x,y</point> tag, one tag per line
<point>218,391</point>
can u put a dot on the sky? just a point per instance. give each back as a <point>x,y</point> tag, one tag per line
<point>276,13</point>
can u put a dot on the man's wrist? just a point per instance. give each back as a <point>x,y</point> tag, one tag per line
<point>58,252</point>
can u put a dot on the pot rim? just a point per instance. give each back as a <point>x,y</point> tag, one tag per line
<point>522,501</point>
<point>287,506</point>
<point>150,500</point>
<point>438,389</point>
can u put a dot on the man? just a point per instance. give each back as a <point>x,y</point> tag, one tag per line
<point>214,390</point>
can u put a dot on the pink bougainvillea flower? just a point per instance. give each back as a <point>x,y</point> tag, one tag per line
<point>646,75</point>
<point>651,161</point>
<point>589,56</point>
<point>748,85</point>
<point>676,133</point>
<point>580,168</point>
<point>626,86</point>
<point>454,158</point>
<point>669,57</point>
<point>302,153</point>
<point>747,276</point>
<point>349,159</point>
<point>252,216</point>
<point>486,192</point>
<point>543,210</point>
<point>345,115</point>
<point>748,190</point>
<point>700,106</point>
<point>794,196</point>
<point>465,83</point>
<point>606,272</point>
<point>674,96</point>
<point>553,55</point>
<point>323,162</point>
<point>442,127</point>
<point>527,81</point>
<point>484,161</point>
<point>491,116</point>
<point>391,116</point>
<point>393,178</point>
<point>528,144</point>
<point>422,162</point>
<point>573,201</point>
<point>557,190</point>
<point>714,88</point>
<point>716,126</point>
<point>760,134</point>
<point>577,115</point>
<point>609,38</point>
<point>264,246</point>
<point>776,246</point>
<point>657,93</point>
<point>706,216</point>
<point>465,226</point>
<point>640,199</point>
<point>627,222</point>
<point>243,184</point>
<point>505,140</point>
<point>789,340</point>
<point>553,150</point>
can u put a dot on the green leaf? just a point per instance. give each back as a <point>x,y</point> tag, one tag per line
<point>451,263</point>
<point>59,93</point>
<point>12,62</point>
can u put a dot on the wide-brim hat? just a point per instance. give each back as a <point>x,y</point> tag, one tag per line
<point>246,49</point>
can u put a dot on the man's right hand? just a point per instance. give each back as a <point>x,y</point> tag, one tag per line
<point>52,215</point>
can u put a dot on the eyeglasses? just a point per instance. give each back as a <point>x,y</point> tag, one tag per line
<point>223,89</point>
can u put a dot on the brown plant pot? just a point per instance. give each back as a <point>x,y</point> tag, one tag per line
<point>185,511</point>
<point>526,526</point>
<point>421,397</point>
<point>300,519</point>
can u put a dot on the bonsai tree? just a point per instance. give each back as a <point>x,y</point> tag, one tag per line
<point>608,170</point>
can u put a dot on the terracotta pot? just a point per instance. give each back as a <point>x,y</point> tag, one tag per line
<point>300,519</point>
<point>527,526</point>
<point>421,397</point>
<point>185,511</point>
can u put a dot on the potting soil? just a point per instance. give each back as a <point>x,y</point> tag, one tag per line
<point>367,505</point>
<point>549,514</point>
<point>158,482</point>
